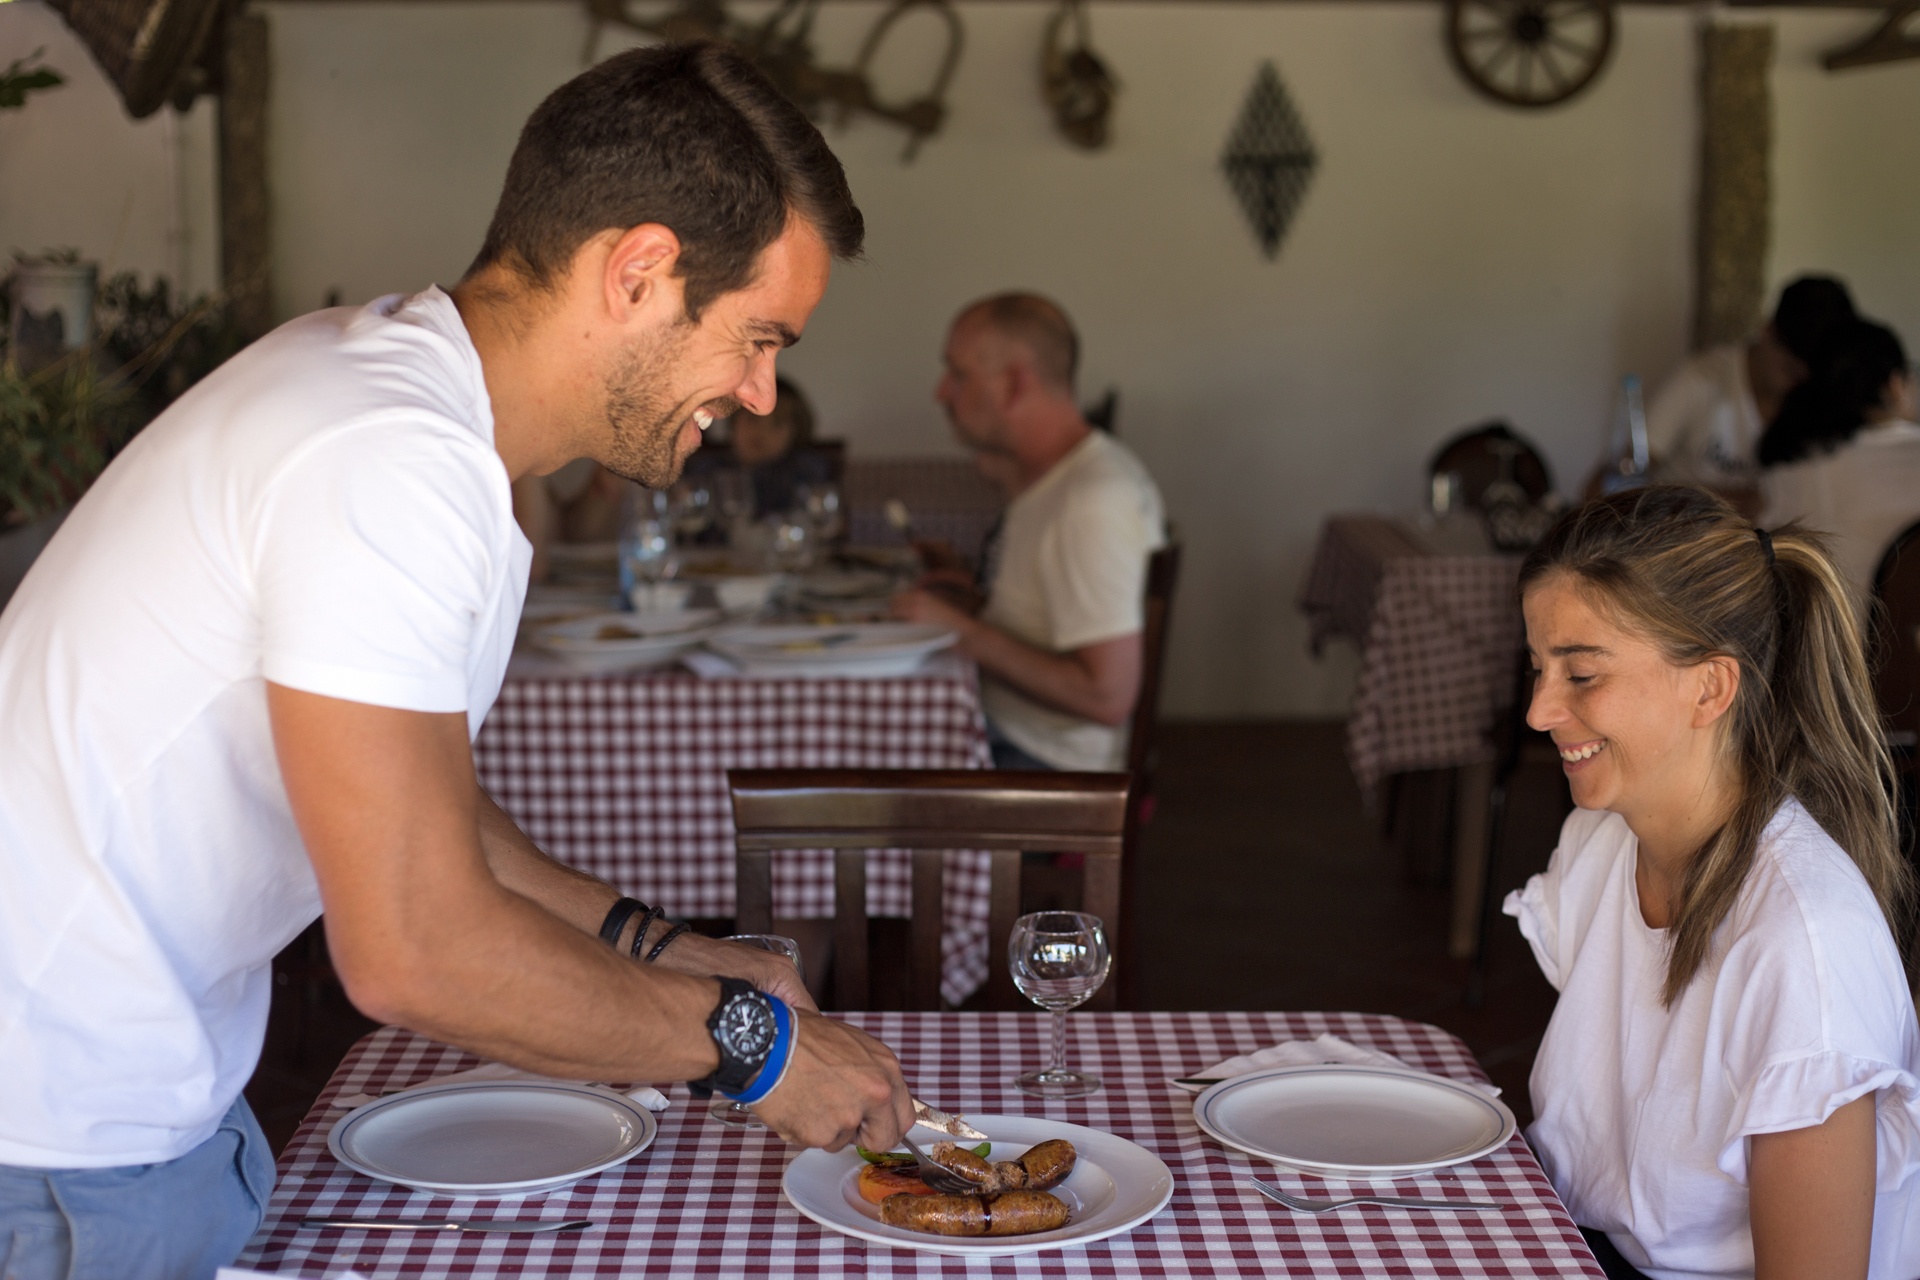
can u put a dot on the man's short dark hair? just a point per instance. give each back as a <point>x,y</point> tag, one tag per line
<point>1813,313</point>
<point>690,136</point>
<point>1040,326</point>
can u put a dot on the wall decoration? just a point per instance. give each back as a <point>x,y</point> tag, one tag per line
<point>1269,159</point>
<point>1075,82</point>
<point>1894,40</point>
<point>1529,53</point>
<point>782,47</point>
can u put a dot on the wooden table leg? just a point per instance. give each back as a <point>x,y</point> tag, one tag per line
<point>1474,787</point>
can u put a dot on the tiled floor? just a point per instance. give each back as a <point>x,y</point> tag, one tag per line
<point>1272,889</point>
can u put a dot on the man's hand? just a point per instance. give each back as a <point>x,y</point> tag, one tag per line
<point>938,556</point>
<point>716,958</point>
<point>924,606</point>
<point>842,1086</point>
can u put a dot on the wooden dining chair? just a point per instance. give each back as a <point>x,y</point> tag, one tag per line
<point>929,811</point>
<point>1163,575</point>
<point>1474,457</point>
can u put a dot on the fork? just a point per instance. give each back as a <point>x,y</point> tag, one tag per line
<point>1300,1204</point>
<point>937,1176</point>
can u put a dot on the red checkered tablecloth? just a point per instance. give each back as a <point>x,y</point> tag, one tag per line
<point>705,1199</point>
<point>1438,635</point>
<point>625,777</point>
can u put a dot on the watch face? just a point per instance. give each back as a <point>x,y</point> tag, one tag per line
<point>746,1028</point>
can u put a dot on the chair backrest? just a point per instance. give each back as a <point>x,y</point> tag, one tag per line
<point>1896,668</point>
<point>1474,456</point>
<point>929,811</point>
<point>1163,575</point>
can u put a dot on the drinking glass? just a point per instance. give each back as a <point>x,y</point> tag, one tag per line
<point>1058,959</point>
<point>821,503</point>
<point>725,1108</point>
<point>690,504</point>
<point>733,496</point>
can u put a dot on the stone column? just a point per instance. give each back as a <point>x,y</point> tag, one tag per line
<point>1735,196</point>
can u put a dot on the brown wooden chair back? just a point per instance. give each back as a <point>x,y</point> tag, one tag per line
<point>1163,575</point>
<point>1896,657</point>
<point>1471,456</point>
<point>929,811</point>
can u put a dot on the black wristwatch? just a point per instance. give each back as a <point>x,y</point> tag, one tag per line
<point>744,1029</point>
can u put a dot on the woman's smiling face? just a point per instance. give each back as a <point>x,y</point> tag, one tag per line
<point>1637,734</point>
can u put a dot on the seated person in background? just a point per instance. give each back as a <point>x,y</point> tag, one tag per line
<point>1728,1084</point>
<point>578,503</point>
<point>775,450</point>
<point>1705,421</point>
<point>1854,465</point>
<point>1058,634</point>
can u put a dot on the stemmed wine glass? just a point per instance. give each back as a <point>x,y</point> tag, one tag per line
<point>725,1108</point>
<point>1058,959</point>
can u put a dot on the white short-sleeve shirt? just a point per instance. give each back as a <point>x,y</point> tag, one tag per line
<point>1643,1112</point>
<point>326,511</point>
<point>1703,426</point>
<point>1864,494</point>
<point>1071,571</point>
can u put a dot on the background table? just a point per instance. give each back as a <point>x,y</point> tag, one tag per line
<point>625,777</point>
<point>705,1198</point>
<point>1439,637</point>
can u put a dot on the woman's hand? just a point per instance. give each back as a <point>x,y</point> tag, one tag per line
<point>1810,1193</point>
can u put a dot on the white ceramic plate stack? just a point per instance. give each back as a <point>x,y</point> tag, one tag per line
<point>499,1139</point>
<point>1116,1185</point>
<point>627,641</point>
<point>856,649</point>
<point>1340,1121</point>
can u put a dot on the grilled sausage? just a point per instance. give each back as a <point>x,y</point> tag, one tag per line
<point>1009,1175</point>
<point>936,1215</point>
<point>1020,1213</point>
<point>962,1163</point>
<point>1048,1164</point>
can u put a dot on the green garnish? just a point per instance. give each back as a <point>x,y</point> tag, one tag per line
<point>902,1157</point>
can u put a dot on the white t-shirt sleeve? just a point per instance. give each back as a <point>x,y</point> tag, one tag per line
<point>1555,907</point>
<point>374,564</point>
<point>1092,566</point>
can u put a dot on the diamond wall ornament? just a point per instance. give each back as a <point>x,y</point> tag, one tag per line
<point>1269,159</point>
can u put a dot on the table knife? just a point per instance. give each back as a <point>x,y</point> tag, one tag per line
<point>528,1225</point>
<point>941,1122</point>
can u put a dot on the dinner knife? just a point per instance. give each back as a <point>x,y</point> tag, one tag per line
<point>527,1225</point>
<point>941,1122</point>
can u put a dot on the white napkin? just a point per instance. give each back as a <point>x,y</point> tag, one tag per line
<point>239,1273</point>
<point>647,1096</point>
<point>1309,1053</point>
<point>709,665</point>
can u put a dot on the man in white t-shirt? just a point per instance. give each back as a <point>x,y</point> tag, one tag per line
<point>241,686</point>
<point>1058,636</point>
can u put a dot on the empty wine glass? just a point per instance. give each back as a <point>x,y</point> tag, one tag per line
<point>725,1108</point>
<point>821,503</point>
<point>1058,959</point>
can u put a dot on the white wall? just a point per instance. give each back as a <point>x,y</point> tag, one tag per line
<point>76,172</point>
<point>1453,260</point>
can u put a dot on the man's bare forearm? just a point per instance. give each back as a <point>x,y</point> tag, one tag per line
<point>1098,683</point>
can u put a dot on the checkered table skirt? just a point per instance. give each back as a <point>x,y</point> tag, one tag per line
<point>625,777</point>
<point>1439,637</point>
<point>705,1199</point>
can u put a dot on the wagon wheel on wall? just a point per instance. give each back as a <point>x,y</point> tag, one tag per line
<point>1529,53</point>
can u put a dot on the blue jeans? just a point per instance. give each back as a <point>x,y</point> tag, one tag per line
<point>180,1220</point>
<point>1006,755</point>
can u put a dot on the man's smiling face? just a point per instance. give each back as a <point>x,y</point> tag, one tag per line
<point>669,387</point>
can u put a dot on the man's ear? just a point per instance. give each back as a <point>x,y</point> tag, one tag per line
<point>638,273</point>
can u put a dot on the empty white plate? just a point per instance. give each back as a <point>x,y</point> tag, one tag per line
<point>1354,1121</point>
<point>855,649</point>
<point>502,1138</point>
<point>627,641</point>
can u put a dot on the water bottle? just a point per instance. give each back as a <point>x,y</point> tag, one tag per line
<point>1627,459</point>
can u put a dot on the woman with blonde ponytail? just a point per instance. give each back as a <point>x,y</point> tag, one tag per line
<point>1730,1085</point>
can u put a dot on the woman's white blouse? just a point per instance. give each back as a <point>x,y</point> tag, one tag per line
<point>1802,1006</point>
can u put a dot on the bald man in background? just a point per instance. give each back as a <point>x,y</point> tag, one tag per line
<point>1057,635</point>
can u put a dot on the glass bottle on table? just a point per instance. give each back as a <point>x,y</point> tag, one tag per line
<point>646,547</point>
<point>1628,460</point>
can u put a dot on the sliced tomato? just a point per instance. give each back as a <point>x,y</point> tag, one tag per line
<point>878,1181</point>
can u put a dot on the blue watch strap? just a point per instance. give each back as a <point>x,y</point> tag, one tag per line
<point>774,1068</point>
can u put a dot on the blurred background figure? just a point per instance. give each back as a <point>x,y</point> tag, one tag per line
<point>1705,422</point>
<point>776,452</point>
<point>1844,455</point>
<point>579,503</point>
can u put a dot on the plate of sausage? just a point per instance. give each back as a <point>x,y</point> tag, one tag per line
<point>1043,1184</point>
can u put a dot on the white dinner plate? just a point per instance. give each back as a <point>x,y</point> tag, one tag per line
<point>1116,1185</point>
<point>1354,1121</point>
<point>845,586</point>
<point>498,1138</point>
<point>852,649</point>
<point>627,641</point>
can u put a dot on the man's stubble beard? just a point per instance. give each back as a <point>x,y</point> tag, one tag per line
<point>644,414</point>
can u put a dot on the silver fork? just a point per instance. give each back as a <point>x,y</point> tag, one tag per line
<point>937,1176</point>
<point>1300,1204</point>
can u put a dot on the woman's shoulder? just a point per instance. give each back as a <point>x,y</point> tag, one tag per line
<point>1807,907</point>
